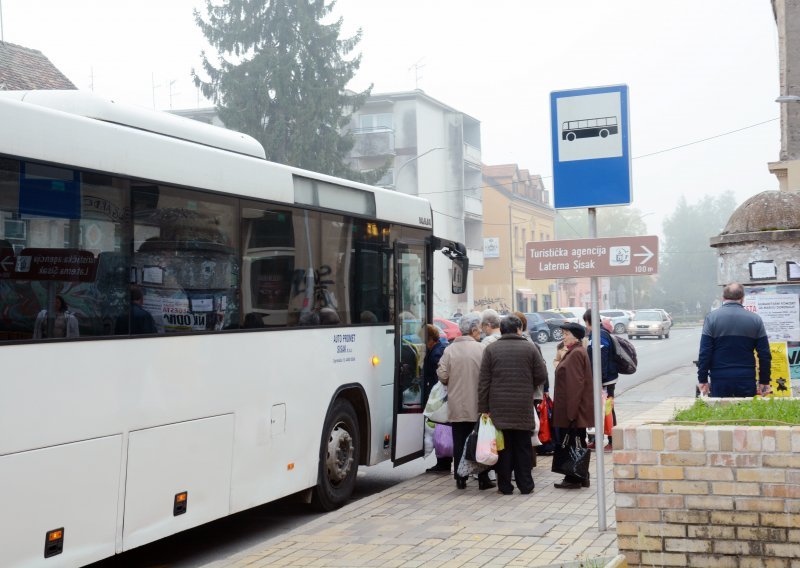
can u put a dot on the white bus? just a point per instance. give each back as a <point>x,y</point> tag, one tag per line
<point>188,330</point>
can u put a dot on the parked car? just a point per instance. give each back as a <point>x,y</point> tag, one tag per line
<point>553,321</point>
<point>569,315</point>
<point>649,322</point>
<point>538,329</point>
<point>619,319</point>
<point>448,328</point>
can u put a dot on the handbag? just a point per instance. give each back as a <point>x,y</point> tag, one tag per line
<point>443,441</point>
<point>570,458</point>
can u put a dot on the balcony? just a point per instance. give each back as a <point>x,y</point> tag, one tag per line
<point>473,207</point>
<point>475,258</point>
<point>472,156</point>
<point>373,142</point>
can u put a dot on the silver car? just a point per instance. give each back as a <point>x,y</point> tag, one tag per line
<point>619,319</point>
<point>649,322</point>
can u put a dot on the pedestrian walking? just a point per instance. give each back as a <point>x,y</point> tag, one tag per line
<point>573,403</point>
<point>459,369</point>
<point>511,370</point>
<point>730,336</point>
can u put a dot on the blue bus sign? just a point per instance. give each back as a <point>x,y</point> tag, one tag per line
<point>591,147</point>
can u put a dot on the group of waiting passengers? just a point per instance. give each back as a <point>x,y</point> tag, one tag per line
<point>495,369</point>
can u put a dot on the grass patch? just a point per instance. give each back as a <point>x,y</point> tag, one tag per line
<point>755,412</point>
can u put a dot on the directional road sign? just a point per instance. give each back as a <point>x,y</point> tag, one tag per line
<point>591,147</point>
<point>579,258</point>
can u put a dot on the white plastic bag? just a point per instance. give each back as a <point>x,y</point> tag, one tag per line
<point>428,437</point>
<point>535,437</point>
<point>486,451</point>
<point>436,407</point>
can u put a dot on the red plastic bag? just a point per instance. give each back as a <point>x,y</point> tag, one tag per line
<point>545,410</point>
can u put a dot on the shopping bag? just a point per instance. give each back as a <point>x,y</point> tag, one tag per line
<point>443,441</point>
<point>535,436</point>
<point>472,443</point>
<point>545,411</point>
<point>486,450</point>
<point>467,467</point>
<point>570,458</point>
<point>428,437</point>
<point>501,440</point>
<point>436,407</point>
<point>608,418</point>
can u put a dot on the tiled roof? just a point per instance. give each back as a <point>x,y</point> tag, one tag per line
<point>23,69</point>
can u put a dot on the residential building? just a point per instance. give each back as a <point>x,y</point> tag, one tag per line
<point>434,151</point>
<point>23,69</point>
<point>516,210</point>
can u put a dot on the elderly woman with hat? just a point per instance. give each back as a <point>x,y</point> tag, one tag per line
<point>573,403</point>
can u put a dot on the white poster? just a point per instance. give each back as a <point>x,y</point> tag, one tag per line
<point>780,314</point>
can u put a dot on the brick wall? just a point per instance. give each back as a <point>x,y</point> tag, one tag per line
<point>722,496</point>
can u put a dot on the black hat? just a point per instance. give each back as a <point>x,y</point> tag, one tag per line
<point>575,329</point>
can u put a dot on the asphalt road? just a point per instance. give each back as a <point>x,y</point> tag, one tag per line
<point>205,545</point>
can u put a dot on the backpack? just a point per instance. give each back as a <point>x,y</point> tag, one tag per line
<point>624,355</point>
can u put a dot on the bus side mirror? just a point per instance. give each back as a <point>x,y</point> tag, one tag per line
<point>460,267</point>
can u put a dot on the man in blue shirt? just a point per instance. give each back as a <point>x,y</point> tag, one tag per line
<point>730,336</point>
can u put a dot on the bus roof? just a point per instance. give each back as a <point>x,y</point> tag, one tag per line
<point>85,131</point>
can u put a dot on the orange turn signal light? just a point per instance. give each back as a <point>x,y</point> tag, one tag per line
<point>375,360</point>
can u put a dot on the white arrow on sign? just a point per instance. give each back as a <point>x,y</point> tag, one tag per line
<point>646,254</point>
<point>4,264</point>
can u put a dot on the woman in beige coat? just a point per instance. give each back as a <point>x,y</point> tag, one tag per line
<point>459,369</point>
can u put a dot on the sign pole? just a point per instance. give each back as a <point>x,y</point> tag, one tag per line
<point>597,383</point>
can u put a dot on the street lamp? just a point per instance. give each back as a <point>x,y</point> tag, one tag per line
<point>415,158</point>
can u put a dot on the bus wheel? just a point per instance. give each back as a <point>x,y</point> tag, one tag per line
<point>338,458</point>
<point>570,136</point>
<point>603,133</point>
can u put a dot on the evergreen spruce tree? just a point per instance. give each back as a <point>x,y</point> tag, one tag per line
<point>281,78</point>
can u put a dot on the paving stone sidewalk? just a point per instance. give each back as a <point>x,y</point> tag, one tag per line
<point>426,521</point>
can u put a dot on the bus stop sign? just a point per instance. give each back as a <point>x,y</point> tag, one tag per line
<point>591,147</point>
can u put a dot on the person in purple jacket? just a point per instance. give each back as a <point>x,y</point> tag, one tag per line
<point>730,336</point>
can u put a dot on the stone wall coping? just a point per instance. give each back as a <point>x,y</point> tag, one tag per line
<point>654,431</point>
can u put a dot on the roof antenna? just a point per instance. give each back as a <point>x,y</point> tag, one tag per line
<point>417,67</point>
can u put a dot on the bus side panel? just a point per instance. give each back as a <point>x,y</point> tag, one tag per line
<point>72,486</point>
<point>194,457</point>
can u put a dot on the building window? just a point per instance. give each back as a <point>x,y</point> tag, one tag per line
<point>375,122</point>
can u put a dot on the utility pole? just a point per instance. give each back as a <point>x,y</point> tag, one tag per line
<point>2,35</point>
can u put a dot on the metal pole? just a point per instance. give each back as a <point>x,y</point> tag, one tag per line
<point>2,35</point>
<point>597,383</point>
<point>511,255</point>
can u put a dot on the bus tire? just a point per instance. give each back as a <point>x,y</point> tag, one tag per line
<point>338,458</point>
<point>604,133</point>
<point>570,136</point>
